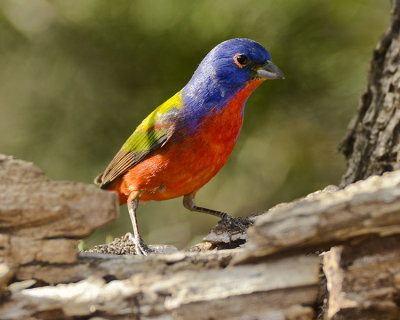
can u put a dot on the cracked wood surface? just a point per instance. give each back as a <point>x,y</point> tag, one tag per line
<point>329,217</point>
<point>372,142</point>
<point>363,279</point>
<point>29,201</point>
<point>42,220</point>
<point>281,289</point>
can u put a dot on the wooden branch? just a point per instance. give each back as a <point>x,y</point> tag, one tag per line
<point>329,217</point>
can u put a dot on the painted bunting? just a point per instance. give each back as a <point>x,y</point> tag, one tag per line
<point>184,142</point>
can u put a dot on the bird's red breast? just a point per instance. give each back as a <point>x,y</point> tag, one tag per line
<point>182,167</point>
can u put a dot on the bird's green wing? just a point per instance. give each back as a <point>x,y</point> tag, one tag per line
<point>152,133</point>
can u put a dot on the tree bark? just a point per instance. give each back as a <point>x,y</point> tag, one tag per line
<point>362,278</point>
<point>372,143</point>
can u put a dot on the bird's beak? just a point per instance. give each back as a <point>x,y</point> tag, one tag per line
<point>270,71</point>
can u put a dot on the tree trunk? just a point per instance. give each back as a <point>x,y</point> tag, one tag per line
<point>372,143</point>
<point>362,277</point>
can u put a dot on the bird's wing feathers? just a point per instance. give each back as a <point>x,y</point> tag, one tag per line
<point>152,133</point>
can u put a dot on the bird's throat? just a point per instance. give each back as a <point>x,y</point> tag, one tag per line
<point>245,92</point>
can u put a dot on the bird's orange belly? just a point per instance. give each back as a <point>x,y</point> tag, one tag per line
<point>182,167</point>
<point>176,171</point>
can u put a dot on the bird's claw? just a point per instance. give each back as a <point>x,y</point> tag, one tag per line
<point>236,224</point>
<point>141,248</point>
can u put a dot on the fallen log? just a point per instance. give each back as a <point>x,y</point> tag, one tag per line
<point>329,217</point>
<point>279,289</point>
<point>363,279</point>
<point>275,275</point>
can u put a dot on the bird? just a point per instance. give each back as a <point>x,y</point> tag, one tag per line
<point>185,141</point>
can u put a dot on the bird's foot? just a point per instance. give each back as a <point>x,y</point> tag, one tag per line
<point>236,223</point>
<point>141,248</point>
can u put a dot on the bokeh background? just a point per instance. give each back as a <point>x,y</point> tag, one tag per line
<point>77,77</point>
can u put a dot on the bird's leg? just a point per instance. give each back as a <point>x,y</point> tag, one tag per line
<point>140,247</point>
<point>228,220</point>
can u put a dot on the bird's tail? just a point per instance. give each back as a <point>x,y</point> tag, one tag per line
<point>108,186</point>
<point>99,181</point>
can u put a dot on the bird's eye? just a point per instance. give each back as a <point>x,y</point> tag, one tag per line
<point>240,59</point>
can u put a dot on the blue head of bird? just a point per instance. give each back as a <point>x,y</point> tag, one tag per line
<point>227,68</point>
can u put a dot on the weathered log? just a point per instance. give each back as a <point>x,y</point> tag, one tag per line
<point>122,267</point>
<point>363,279</point>
<point>181,284</point>
<point>277,277</point>
<point>28,200</point>
<point>281,289</point>
<point>329,217</point>
<point>41,220</point>
<point>7,272</point>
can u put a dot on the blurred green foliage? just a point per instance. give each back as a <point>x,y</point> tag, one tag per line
<point>78,76</point>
